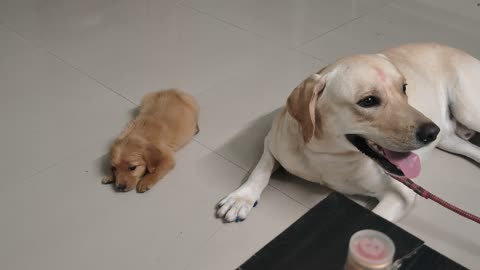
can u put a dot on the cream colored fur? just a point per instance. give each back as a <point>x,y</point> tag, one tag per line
<point>307,137</point>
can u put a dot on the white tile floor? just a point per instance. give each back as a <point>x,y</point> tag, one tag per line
<point>72,72</point>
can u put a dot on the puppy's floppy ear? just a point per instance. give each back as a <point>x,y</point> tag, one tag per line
<point>153,157</point>
<point>301,104</point>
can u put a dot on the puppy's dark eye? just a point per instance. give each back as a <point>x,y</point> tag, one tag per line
<point>132,168</point>
<point>368,102</point>
<point>404,88</point>
<point>113,169</point>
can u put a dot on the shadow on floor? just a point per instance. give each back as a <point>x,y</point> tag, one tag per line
<point>476,139</point>
<point>104,167</point>
<point>245,149</point>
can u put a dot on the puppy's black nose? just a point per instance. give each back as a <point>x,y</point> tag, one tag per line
<point>121,187</point>
<point>427,133</point>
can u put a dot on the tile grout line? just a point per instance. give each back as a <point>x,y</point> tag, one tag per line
<point>49,52</point>
<point>220,155</point>
<point>205,242</point>
<point>297,48</point>
<point>290,197</point>
<point>83,73</point>
<point>91,77</point>
<point>288,48</point>
<point>248,171</point>
<point>291,48</point>
<point>27,178</point>
<point>39,47</point>
<point>186,5</point>
<point>39,171</point>
<point>309,55</point>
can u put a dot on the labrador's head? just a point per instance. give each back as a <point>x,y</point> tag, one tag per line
<point>131,158</point>
<point>364,100</point>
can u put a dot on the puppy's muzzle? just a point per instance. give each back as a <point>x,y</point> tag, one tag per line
<point>121,187</point>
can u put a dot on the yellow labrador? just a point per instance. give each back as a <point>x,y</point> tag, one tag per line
<point>363,118</point>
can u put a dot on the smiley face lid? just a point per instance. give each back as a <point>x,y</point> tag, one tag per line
<point>369,249</point>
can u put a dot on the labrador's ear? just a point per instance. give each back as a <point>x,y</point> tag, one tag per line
<point>302,102</point>
<point>153,157</point>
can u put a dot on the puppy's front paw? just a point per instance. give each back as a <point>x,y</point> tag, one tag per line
<point>143,186</point>
<point>108,179</point>
<point>236,206</point>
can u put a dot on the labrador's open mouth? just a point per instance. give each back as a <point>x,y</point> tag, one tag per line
<point>396,163</point>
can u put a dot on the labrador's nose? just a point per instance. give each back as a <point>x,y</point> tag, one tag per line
<point>427,133</point>
<point>121,187</point>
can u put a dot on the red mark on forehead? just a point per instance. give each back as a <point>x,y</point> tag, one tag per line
<point>380,73</point>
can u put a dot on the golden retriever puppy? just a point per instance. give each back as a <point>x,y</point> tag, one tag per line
<point>144,151</point>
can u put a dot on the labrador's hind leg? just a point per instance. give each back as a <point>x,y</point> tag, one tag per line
<point>454,144</point>
<point>464,132</point>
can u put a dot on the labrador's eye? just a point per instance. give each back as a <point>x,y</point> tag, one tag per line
<point>404,88</point>
<point>368,102</point>
<point>132,168</point>
<point>113,169</point>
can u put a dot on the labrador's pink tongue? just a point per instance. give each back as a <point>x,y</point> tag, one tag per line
<point>409,163</point>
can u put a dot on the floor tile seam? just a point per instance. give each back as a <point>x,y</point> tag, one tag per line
<point>219,228</point>
<point>38,46</point>
<point>220,155</point>
<point>290,197</point>
<point>205,242</point>
<point>66,158</point>
<point>249,171</point>
<point>185,4</point>
<point>373,11</point>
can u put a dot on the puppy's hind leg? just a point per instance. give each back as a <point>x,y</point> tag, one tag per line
<point>454,144</point>
<point>238,204</point>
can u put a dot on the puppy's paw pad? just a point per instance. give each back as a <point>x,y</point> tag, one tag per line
<point>235,207</point>
<point>107,179</point>
<point>143,187</point>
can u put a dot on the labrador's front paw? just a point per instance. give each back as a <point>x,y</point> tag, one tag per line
<point>236,206</point>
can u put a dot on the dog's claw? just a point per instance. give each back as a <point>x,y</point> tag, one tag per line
<point>235,207</point>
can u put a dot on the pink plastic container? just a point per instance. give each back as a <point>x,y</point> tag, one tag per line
<point>369,250</point>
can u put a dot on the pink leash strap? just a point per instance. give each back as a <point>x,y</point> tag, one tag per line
<point>427,195</point>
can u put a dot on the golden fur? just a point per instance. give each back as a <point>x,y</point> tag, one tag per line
<point>301,105</point>
<point>144,152</point>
